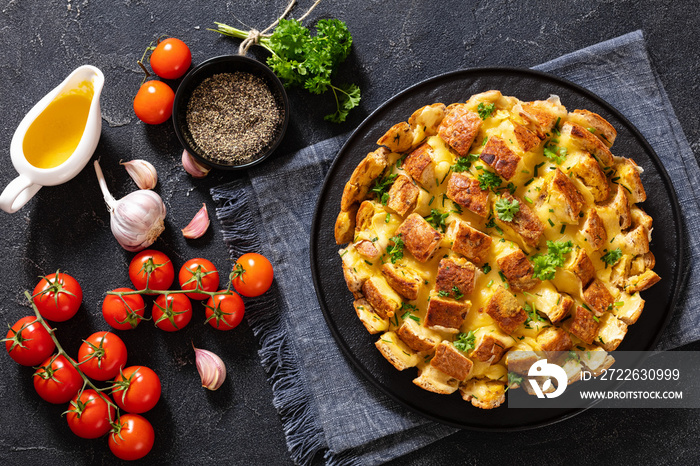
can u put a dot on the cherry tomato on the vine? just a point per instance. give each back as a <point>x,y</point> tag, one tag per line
<point>153,103</point>
<point>101,355</point>
<point>137,389</point>
<point>171,58</point>
<point>252,275</point>
<point>224,311</point>
<point>123,312</point>
<point>155,263</point>
<point>58,296</point>
<point>89,415</point>
<point>199,273</point>
<point>172,313</point>
<point>131,438</point>
<point>57,381</point>
<point>28,342</point>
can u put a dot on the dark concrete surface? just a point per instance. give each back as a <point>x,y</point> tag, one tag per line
<point>395,45</point>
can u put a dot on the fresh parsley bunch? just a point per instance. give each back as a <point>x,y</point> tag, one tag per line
<point>309,61</point>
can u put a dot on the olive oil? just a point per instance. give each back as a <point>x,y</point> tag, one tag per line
<point>53,137</point>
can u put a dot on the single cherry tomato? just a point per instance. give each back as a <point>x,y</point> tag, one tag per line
<point>123,312</point>
<point>58,296</point>
<point>131,438</point>
<point>224,311</point>
<point>152,268</point>
<point>200,274</point>
<point>171,58</point>
<point>252,275</point>
<point>101,355</point>
<point>137,389</point>
<point>172,313</point>
<point>89,415</point>
<point>28,342</point>
<point>57,381</point>
<point>153,103</point>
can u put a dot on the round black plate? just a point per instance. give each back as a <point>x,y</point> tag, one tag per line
<point>336,300</point>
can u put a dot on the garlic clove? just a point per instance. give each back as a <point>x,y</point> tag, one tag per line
<point>211,368</point>
<point>137,219</point>
<point>142,172</point>
<point>194,168</point>
<point>198,225</point>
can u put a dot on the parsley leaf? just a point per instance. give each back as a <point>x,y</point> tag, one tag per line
<point>545,265</point>
<point>489,180</point>
<point>485,110</point>
<point>506,209</point>
<point>381,187</point>
<point>611,257</point>
<point>307,61</point>
<point>457,294</point>
<point>555,154</point>
<point>514,379</point>
<point>464,163</point>
<point>465,341</point>
<point>395,250</point>
<point>437,220</point>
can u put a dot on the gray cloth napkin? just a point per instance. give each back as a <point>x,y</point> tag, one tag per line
<point>328,409</point>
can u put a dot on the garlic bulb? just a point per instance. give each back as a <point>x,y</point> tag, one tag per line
<point>137,218</point>
<point>211,368</point>
<point>198,225</point>
<point>143,173</point>
<point>194,168</point>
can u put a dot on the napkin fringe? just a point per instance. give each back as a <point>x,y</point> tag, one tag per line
<point>240,232</point>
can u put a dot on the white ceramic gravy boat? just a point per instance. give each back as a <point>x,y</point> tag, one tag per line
<point>32,178</point>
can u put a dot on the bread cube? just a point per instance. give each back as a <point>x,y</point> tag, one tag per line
<point>403,195</point>
<point>584,325</point>
<point>498,156</point>
<point>587,141</point>
<point>598,297</point>
<point>381,296</point>
<point>451,361</point>
<point>525,223</point>
<point>593,230</point>
<point>398,139</point>
<point>455,274</point>
<point>465,191</point>
<point>484,394</point>
<point>404,280</point>
<point>611,332</point>
<point>362,177</point>
<point>582,267</point>
<point>490,346</point>
<point>396,352</point>
<point>419,165</point>
<point>344,230</point>
<point>628,173</point>
<point>369,318</point>
<point>434,380</point>
<point>426,120</point>
<point>554,339</point>
<point>419,238</point>
<point>518,271</point>
<point>417,337</point>
<point>588,171</point>
<point>505,310</point>
<point>446,315</point>
<point>459,128</point>
<point>469,242</point>
<point>527,140</point>
<point>563,197</point>
<point>641,282</point>
<point>596,124</point>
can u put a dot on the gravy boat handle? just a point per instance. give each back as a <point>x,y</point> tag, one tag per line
<point>18,193</point>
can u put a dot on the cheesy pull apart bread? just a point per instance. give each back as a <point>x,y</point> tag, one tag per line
<point>482,235</point>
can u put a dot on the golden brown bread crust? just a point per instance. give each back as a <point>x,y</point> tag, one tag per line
<point>525,223</point>
<point>455,278</point>
<point>404,281</point>
<point>583,267</point>
<point>594,230</point>
<point>527,139</point>
<point>410,333</point>
<point>584,325</point>
<point>344,230</point>
<point>403,195</point>
<point>469,242</point>
<point>399,138</point>
<point>554,339</point>
<point>421,239</point>
<point>598,298</point>
<point>559,184</point>
<point>362,178</point>
<point>488,349</point>
<point>465,190</point>
<point>446,314</point>
<point>451,361</point>
<point>419,165</point>
<point>518,271</point>
<point>459,128</point>
<point>505,310</point>
<point>498,156</point>
<point>588,142</point>
<point>596,124</point>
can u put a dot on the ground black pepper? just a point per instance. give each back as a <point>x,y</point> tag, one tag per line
<point>233,117</point>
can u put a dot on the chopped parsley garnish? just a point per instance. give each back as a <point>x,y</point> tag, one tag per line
<point>611,257</point>
<point>486,268</point>
<point>395,250</point>
<point>437,219</point>
<point>511,188</point>
<point>506,209</point>
<point>456,293</point>
<point>485,110</point>
<point>443,294</point>
<point>465,341</point>
<point>464,163</point>
<point>545,265</point>
<point>381,187</point>
<point>489,180</point>
<point>555,154</point>
<point>514,379</point>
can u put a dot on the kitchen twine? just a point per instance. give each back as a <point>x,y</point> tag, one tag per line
<point>254,35</point>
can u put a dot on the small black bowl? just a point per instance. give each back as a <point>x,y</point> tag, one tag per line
<point>227,64</point>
